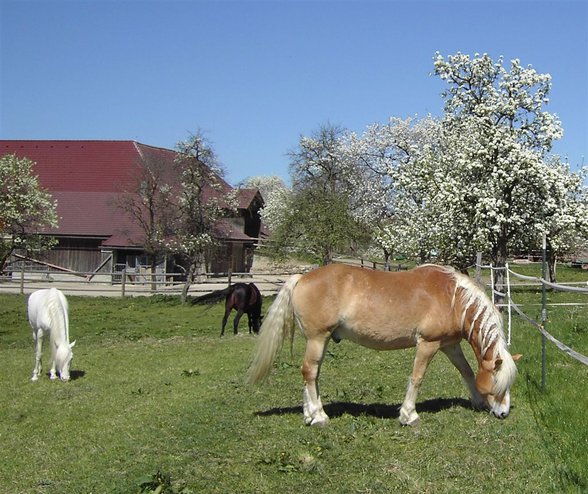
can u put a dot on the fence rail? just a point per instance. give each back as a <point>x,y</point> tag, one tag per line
<point>123,281</point>
<point>127,283</point>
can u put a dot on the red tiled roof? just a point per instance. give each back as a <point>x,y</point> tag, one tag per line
<point>85,178</point>
<point>82,166</point>
<point>85,213</point>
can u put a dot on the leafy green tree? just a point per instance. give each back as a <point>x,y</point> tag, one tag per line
<point>315,220</point>
<point>26,209</point>
<point>315,225</point>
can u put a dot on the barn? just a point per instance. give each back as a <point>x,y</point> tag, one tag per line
<point>94,234</point>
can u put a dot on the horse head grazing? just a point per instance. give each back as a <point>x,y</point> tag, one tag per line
<point>494,380</point>
<point>482,322</point>
<point>63,358</point>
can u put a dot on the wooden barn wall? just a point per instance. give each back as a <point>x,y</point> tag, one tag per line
<point>221,259</point>
<point>82,255</point>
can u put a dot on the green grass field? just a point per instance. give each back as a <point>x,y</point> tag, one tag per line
<point>158,404</point>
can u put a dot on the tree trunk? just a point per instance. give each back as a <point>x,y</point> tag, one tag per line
<point>387,256</point>
<point>500,256</point>
<point>189,281</point>
<point>153,274</point>
<point>327,256</point>
<point>4,256</point>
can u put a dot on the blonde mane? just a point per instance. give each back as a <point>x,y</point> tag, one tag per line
<point>490,332</point>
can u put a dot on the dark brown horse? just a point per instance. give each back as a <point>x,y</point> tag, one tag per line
<point>245,298</point>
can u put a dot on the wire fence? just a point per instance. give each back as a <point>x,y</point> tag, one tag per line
<point>510,304</point>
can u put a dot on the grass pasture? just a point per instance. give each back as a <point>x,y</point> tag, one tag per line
<point>158,404</point>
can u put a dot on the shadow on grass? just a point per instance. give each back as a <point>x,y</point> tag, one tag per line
<point>76,374</point>
<point>378,410</point>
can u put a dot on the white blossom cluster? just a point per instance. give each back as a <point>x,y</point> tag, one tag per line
<point>478,179</point>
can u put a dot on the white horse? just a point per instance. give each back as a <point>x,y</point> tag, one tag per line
<point>48,313</point>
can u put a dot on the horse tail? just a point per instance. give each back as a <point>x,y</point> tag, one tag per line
<point>213,297</point>
<point>278,322</point>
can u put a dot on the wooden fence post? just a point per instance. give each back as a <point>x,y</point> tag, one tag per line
<point>124,280</point>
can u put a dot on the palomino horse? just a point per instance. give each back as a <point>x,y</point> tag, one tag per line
<point>244,298</point>
<point>430,307</point>
<point>48,313</point>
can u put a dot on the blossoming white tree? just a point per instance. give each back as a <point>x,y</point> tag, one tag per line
<point>201,203</point>
<point>565,216</point>
<point>480,179</point>
<point>25,208</point>
<point>497,136</point>
<point>386,163</point>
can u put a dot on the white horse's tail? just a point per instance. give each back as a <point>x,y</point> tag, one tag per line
<point>278,322</point>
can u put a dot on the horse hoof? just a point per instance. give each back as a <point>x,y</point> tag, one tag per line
<point>320,422</point>
<point>411,423</point>
<point>35,378</point>
<point>410,419</point>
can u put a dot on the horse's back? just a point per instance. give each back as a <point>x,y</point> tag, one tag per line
<point>244,296</point>
<point>374,308</point>
<point>43,305</point>
<point>38,318</point>
<point>254,297</point>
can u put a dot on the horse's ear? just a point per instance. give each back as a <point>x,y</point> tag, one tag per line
<point>518,356</point>
<point>71,345</point>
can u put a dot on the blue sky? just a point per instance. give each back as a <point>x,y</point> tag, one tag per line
<point>256,75</point>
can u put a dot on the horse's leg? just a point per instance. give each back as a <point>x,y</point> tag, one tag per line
<point>457,358</point>
<point>52,373</point>
<point>38,337</point>
<point>425,351</point>
<point>313,408</point>
<point>225,318</point>
<point>249,321</point>
<point>236,321</point>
